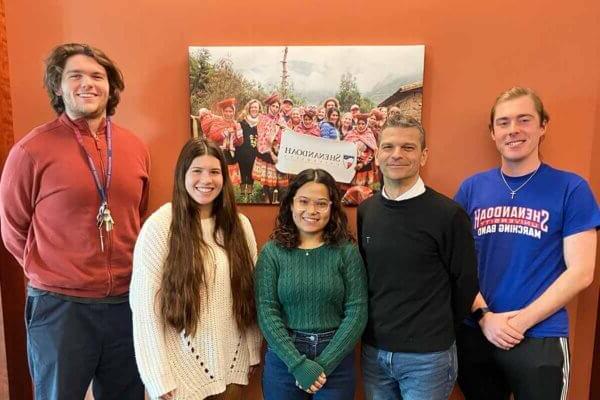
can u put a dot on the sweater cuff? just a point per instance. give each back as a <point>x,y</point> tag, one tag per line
<point>254,340</point>
<point>255,355</point>
<point>307,372</point>
<point>328,366</point>
<point>160,386</point>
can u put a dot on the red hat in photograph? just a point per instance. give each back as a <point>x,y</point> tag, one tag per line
<point>379,115</point>
<point>362,116</point>
<point>310,112</point>
<point>273,98</point>
<point>356,195</point>
<point>223,104</point>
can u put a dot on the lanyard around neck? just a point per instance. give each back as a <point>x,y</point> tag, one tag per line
<point>102,189</point>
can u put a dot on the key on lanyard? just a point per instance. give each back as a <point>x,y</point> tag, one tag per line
<point>104,218</point>
<point>107,219</point>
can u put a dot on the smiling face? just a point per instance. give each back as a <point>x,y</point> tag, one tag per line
<point>334,117</point>
<point>286,107</point>
<point>330,104</point>
<point>204,182</point>
<point>361,125</point>
<point>400,156</point>
<point>253,109</point>
<point>274,108</point>
<point>517,131</point>
<point>308,120</point>
<point>321,113</point>
<point>372,121</point>
<point>311,210</point>
<point>228,113</point>
<point>347,120</point>
<point>84,88</point>
<point>295,116</point>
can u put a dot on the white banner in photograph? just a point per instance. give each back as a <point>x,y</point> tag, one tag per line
<point>298,152</point>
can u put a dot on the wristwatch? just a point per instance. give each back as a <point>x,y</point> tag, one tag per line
<point>479,313</point>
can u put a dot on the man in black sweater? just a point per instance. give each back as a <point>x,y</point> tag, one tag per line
<point>420,257</point>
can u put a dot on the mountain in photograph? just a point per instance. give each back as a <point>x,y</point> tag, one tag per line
<point>388,85</point>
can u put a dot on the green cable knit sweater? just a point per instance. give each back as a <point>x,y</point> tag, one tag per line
<point>314,290</point>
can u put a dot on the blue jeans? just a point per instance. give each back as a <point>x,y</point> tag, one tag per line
<point>279,384</point>
<point>408,376</point>
<point>71,344</point>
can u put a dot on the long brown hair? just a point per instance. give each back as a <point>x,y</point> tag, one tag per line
<point>188,257</point>
<point>336,231</point>
<point>338,124</point>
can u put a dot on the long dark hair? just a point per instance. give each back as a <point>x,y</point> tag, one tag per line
<point>184,271</point>
<point>336,231</point>
<point>55,65</point>
<point>338,124</point>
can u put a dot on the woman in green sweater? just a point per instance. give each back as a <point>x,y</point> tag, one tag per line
<point>311,294</point>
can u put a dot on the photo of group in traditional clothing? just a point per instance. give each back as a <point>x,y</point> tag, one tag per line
<point>277,110</point>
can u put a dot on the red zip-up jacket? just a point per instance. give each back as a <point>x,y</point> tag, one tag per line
<point>49,203</point>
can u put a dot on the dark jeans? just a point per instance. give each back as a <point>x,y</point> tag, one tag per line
<point>70,344</point>
<point>535,369</point>
<point>279,384</point>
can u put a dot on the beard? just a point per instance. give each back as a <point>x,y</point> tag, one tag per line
<point>78,110</point>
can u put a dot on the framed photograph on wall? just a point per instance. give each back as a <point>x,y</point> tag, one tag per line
<point>276,110</point>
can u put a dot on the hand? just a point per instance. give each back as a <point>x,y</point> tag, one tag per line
<point>274,157</point>
<point>252,370</point>
<point>498,331</point>
<point>358,166</point>
<point>168,396</point>
<point>318,384</point>
<point>518,323</point>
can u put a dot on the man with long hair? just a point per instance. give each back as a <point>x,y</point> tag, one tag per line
<point>72,197</point>
<point>535,231</point>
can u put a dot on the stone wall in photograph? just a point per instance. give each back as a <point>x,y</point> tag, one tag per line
<point>411,104</point>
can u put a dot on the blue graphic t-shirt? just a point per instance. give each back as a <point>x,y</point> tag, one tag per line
<point>519,240</point>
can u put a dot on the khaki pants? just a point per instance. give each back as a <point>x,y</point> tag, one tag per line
<point>232,392</point>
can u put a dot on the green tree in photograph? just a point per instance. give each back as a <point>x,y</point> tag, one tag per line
<point>348,94</point>
<point>290,93</point>
<point>200,67</point>
<point>220,81</point>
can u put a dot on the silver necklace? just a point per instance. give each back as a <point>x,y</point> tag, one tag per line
<point>513,192</point>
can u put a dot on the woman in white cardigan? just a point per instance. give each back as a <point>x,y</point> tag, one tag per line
<point>194,316</point>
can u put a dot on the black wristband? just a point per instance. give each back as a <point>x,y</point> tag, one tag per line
<point>479,313</point>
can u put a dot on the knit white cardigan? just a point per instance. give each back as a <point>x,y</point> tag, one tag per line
<point>195,367</point>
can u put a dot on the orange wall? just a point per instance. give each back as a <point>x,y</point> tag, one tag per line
<point>473,51</point>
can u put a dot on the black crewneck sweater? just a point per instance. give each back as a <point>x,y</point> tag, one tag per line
<point>422,271</point>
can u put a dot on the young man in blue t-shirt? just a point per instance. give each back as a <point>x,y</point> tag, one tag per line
<point>535,234</point>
